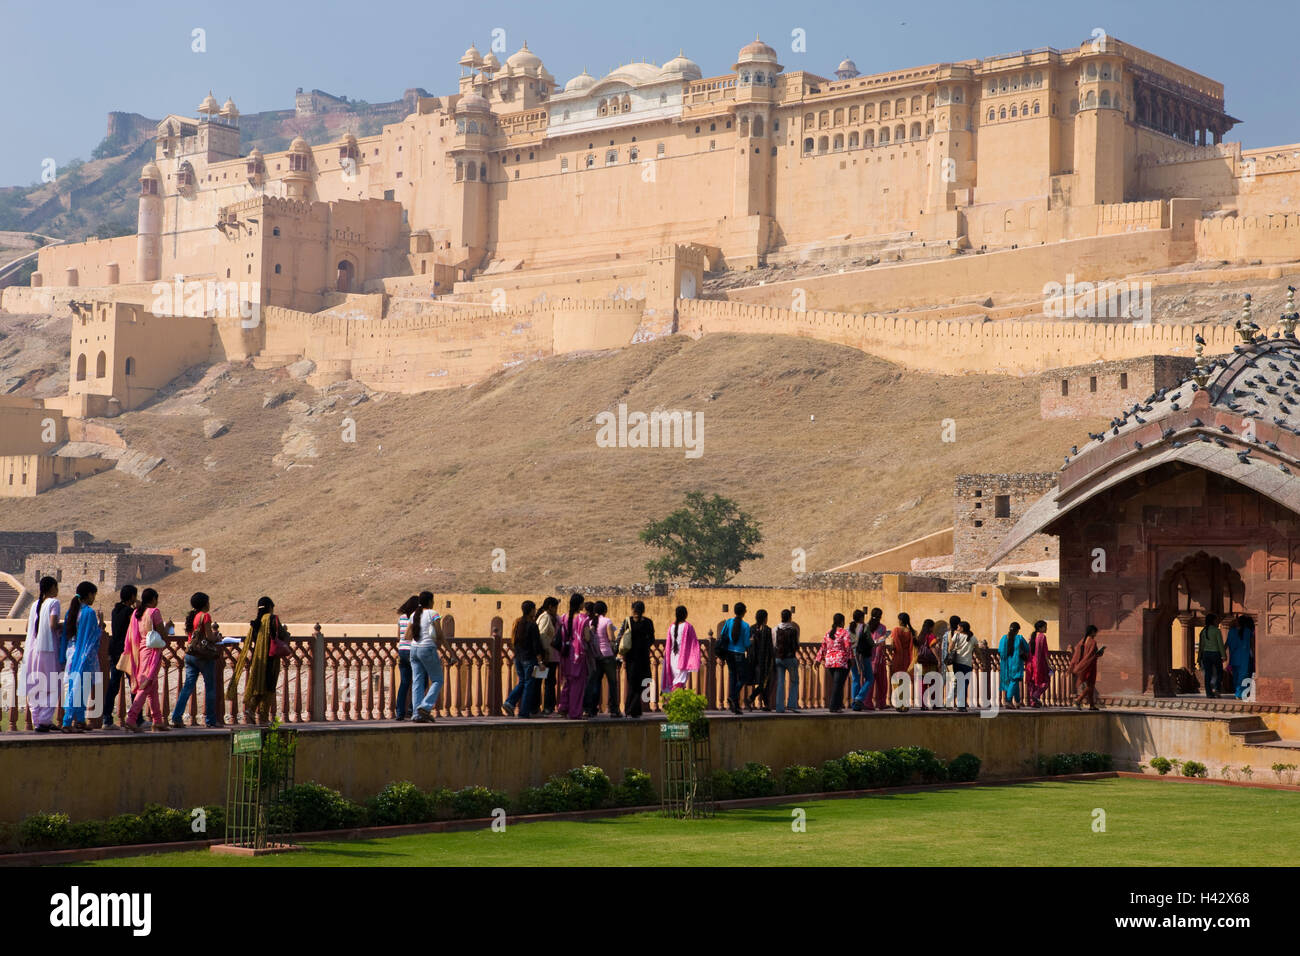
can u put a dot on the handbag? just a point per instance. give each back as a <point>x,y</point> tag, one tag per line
<point>279,646</point>
<point>154,641</point>
<point>625,638</point>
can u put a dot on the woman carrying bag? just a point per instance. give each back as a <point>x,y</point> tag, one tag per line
<point>259,657</point>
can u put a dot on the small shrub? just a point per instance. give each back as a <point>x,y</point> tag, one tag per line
<point>800,779</point>
<point>214,824</point>
<point>1285,772</point>
<point>724,787</point>
<point>1092,762</point>
<point>685,706</point>
<point>834,776</point>
<point>125,828</point>
<point>754,780</point>
<point>1194,768</point>
<point>1162,765</point>
<point>401,802</point>
<point>636,790</point>
<point>1247,772</point>
<point>591,786</point>
<point>88,833</point>
<point>441,802</point>
<point>159,824</point>
<point>472,803</point>
<point>916,763</point>
<point>964,767</point>
<point>312,806</point>
<point>1226,772</point>
<point>45,831</point>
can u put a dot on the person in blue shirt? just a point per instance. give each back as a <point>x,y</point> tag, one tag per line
<point>81,627</point>
<point>1013,650</point>
<point>733,644</point>
<point>1241,655</point>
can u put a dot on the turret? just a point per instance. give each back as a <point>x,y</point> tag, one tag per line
<point>148,246</point>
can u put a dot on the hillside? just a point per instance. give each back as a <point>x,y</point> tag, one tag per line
<point>833,451</point>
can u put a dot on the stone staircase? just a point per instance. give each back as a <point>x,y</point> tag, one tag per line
<point>1245,720</point>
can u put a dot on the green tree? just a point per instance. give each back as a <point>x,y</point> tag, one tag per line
<point>707,540</point>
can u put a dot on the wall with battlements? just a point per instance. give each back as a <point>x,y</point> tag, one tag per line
<point>1274,238</point>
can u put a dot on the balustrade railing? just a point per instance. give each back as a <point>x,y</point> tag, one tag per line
<point>346,679</point>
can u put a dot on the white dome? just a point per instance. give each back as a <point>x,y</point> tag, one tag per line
<point>525,60</point>
<point>583,81</point>
<point>633,74</point>
<point>681,67</point>
<point>472,102</point>
<point>491,63</point>
<point>847,66</point>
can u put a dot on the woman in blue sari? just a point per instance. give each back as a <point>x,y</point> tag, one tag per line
<point>1013,649</point>
<point>1241,658</point>
<point>81,627</point>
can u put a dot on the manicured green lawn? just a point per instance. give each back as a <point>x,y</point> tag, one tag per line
<point>1042,824</point>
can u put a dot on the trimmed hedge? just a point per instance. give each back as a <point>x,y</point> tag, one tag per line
<point>1087,762</point>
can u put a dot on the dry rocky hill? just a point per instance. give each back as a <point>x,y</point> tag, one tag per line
<point>835,452</point>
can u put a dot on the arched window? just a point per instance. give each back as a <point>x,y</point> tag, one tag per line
<point>869,111</point>
<point>343,279</point>
<point>1105,72</point>
<point>853,115</point>
<point>808,121</point>
<point>991,114</point>
<point>1015,82</point>
<point>916,104</point>
<point>1002,85</point>
<point>758,77</point>
<point>1002,113</point>
<point>1024,109</point>
<point>1092,71</point>
<point>632,154</point>
<point>900,106</point>
<point>1090,100</point>
<point>603,108</point>
<point>853,140</point>
<point>929,101</point>
<point>591,160</point>
<point>101,365</point>
<point>482,172</point>
<point>869,138</point>
<point>1038,79</point>
<point>1035,107</point>
<point>744,126</point>
<point>808,146</point>
<point>916,131</point>
<point>929,127</point>
<point>473,172</point>
<point>744,78</point>
<point>460,126</point>
<point>611,157</point>
<point>884,136</point>
<point>884,109</point>
<point>823,144</point>
<point>460,171</point>
<point>473,126</point>
<point>839,142</point>
<point>81,368</point>
<point>1105,97</point>
<point>627,103</point>
<point>900,133</point>
<point>993,86</point>
<point>1013,110</point>
<point>758,126</point>
<point>823,119</point>
<point>839,117</point>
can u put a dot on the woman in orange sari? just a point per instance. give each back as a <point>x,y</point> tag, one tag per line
<point>927,655</point>
<point>903,639</point>
<point>1083,664</point>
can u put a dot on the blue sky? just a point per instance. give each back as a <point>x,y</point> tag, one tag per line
<point>67,69</point>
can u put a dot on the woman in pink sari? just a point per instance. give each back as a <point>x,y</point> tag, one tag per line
<point>145,619</point>
<point>681,652</point>
<point>573,663</point>
<point>1037,673</point>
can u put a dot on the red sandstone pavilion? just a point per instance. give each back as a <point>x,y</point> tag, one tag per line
<point>1189,505</point>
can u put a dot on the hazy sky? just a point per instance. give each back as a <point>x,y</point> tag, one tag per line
<point>67,64</point>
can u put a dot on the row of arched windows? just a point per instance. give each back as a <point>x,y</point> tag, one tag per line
<point>1015,111</point>
<point>471,126</point>
<point>828,119</point>
<point>869,138</point>
<point>760,78</point>
<point>1006,84</point>
<point>101,366</point>
<point>471,171</point>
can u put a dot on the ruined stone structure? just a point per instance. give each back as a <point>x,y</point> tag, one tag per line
<point>1104,388</point>
<point>986,508</point>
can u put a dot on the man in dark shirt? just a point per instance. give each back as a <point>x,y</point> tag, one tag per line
<point>528,651</point>
<point>638,659</point>
<point>787,664</point>
<point>119,622</point>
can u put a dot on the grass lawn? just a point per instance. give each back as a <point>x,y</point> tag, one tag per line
<point>1042,824</point>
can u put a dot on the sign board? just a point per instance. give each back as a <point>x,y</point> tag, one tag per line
<point>246,742</point>
<point>674,731</point>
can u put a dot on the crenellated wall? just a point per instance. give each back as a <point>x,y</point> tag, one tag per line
<point>1273,238</point>
<point>1009,348</point>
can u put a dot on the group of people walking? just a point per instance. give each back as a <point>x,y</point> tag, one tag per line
<point>80,662</point>
<point>1228,660</point>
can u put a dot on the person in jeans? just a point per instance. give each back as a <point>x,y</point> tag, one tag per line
<point>404,635</point>
<point>1210,653</point>
<point>733,641</point>
<point>198,630</point>
<point>604,662</point>
<point>835,653</point>
<point>961,650</point>
<point>426,660</point>
<point>638,659</point>
<point>118,622</point>
<point>871,632</point>
<point>547,626</point>
<point>528,651</point>
<point>856,676</point>
<point>761,661</point>
<point>786,640</point>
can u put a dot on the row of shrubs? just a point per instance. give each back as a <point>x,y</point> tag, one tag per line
<point>856,770</point>
<point>308,807</point>
<point>1087,762</point>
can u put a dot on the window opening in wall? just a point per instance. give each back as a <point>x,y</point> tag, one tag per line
<point>1002,506</point>
<point>1123,379</point>
<point>1092,383</point>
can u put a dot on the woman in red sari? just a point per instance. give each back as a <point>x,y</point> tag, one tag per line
<point>903,639</point>
<point>1037,673</point>
<point>927,655</point>
<point>1083,664</point>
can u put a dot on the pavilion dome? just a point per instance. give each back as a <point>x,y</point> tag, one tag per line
<point>525,60</point>
<point>633,74</point>
<point>299,145</point>
<point>151,171</point>
<point>228,109</point>
<point>490,62</point>
<point>209,104</point>
<point>471,57</point>
<point>681,67</point>
<point>1199,425</point>
<point>846,66</point>
<point>583,81</point>
<point>756,52</point>
<point>472,103</point>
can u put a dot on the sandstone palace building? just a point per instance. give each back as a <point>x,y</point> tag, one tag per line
<point>919,214</point>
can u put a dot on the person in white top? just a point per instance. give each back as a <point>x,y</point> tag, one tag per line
<point>426,661</point>
<point>38,678</point>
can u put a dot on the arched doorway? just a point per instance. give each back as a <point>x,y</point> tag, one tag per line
<point>1198,585</point>
<point>345,275</point>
